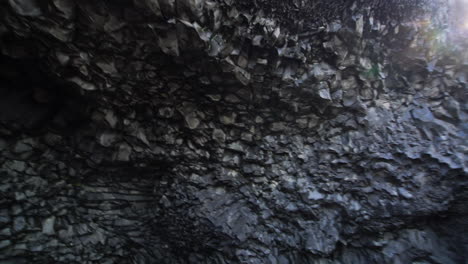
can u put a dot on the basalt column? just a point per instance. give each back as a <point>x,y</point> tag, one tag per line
<point>221,131</point>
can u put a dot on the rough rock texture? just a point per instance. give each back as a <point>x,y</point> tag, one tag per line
<point>191,131</point>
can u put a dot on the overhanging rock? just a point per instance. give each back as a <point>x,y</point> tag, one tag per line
<point>189,131</point>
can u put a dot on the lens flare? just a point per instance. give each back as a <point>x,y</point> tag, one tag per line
<point>460,12</point>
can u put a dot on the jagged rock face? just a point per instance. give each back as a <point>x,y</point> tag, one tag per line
<point>197,131</point>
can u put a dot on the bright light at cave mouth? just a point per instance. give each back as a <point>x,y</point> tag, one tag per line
<point>464,14</point>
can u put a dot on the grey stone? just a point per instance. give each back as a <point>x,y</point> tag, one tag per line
<point>247,137</point>
<point>322,71</point>
<point>18,166</point>
<point>107,139</point>
<point>315,195</point>
<point>123,153</point>
<point>48,226</point>
<point>23,146</point>
<point>219,135</point>
<point>5,243</point>
<point>232,98</point>
<point>423,114</point>
<point>67,7</point>
<point>85,85</point>
<point>26,7</point>
<point>323,91</point>
<point>236,146</point>
<point>111,118</point>
<point>405,193</point>
<point>192,121</point>
<point>278,126</point>
<point>107,67</point>
<point>228,119</point>
<point>166,112</point>
<point>19,223</point>
<point>5,232</point>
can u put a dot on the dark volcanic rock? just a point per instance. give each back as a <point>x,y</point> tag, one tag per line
<point>189,131</point>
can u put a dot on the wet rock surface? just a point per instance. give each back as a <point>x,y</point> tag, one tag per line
<point>168,131</point>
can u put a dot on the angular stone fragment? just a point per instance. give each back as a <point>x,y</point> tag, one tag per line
<point>360,25</point>
<point>83,84</point>
<point>192,120</point>
<point>5,243</point>
<point>278,126</point>
<point>405,193</point>
<point>23,146</point>
<point>67,7</point>
<point>324,91</point>
<point>111,118</point>
<point>19,223</point>
<point>26,7</point>
<point>166,112</point>
<point>315,195</point>
<point>247,137</point>
<point>423,114</point>
<point>232,98</point>
<point>123,153</point>
<point>228,119</point>
<point>107,67</point>
<point>169,43</point>
<point>322,71</point>
<point>48,226</point>
<point>236,146</point>
<point>219,135</point>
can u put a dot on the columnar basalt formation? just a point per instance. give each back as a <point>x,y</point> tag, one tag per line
<point>191,131</point>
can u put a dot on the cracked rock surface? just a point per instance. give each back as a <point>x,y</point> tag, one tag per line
<point>190,131</point>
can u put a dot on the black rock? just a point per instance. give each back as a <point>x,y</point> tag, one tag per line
<point>164,131</point>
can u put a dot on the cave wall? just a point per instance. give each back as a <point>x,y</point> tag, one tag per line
<point>194,131</point>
